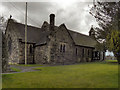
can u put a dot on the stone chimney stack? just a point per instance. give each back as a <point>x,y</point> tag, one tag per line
<point>52,21</point>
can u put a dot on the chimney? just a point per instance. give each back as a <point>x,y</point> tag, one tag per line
<point>52,21</point>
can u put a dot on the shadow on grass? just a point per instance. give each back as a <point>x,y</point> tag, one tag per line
<point>7,77</point>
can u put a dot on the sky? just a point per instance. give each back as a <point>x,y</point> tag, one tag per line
<point>74,14</point>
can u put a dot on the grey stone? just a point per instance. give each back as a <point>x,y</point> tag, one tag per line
<point>49,44</point>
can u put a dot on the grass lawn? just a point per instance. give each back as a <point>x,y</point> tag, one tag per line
<point>15,69</point>
<point>84,75</point>
<point>30,65</point>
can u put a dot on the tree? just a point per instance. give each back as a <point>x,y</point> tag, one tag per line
<point>107,15</point>
<point>113,43</point>
<point>4,55</point>
<point>3,24</point>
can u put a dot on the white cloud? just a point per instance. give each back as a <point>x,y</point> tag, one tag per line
<point>74,14</point>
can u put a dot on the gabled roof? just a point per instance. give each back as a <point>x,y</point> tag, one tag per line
<point>40,36</point>
<point>83,40</point>
<point>34,34</point>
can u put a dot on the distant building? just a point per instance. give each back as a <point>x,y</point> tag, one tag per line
<point>49,44</point>
<point>110,58</point>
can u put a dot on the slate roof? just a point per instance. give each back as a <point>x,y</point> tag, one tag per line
<point>34,34</point>
<point>82,40</point>
<point>39,36</point>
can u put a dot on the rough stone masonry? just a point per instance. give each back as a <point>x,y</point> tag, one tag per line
<point>49,44</point>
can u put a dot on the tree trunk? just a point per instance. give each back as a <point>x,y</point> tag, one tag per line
<point>5,66</point>
<point>118,59</point>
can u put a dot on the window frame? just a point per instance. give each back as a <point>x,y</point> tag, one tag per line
<point>31,49</point>
<point>61,48</point>
<point>64,48</point>
<point>88,53</point>
<point>10,45</point>
<point>83,51</point>
<point>76,51</point>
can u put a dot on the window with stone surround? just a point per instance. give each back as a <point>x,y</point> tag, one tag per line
<point>31,49</point>
<point>62,47</point>
<point>88,53</point>
<point>76,52</point>
<point>83,52</point>
<point>10,45</point>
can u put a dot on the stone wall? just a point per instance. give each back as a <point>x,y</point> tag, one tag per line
<point>84,54</point>
<point>12,45</point>
<point>62,46</point>
<point>59,49</point>
<point>4,56</point>
<point>64,51</point>
<point>30,53</point>
<point>41,54</point>
<point>16,48</point>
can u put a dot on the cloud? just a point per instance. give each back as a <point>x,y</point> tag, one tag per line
<point>74,14</point>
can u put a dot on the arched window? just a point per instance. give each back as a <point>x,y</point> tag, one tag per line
<point>61,48</point>
<point>9,45</point>
<point>83,52</point>
<point>64,48</point>
<point>31,49</point>
<point>76,52</point>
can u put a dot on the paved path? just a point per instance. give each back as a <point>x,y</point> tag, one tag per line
<point>27,68</point>
<point>23,69</point>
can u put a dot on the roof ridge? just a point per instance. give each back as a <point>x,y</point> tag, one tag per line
<point>24,24</point>
<point>78,32</point>
<point>48,24</point>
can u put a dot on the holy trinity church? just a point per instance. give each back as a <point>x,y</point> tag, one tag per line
<point>49,44</point>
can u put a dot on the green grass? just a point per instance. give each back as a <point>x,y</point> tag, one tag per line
<point>0,81</point>
<point>111,61</point>
<point>15,69</point>
<point>84,75</point>
<point>29,65</point>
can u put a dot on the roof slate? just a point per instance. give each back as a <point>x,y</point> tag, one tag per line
<point>39,36</point>
<point>82,40</point>
<point>34,34</point>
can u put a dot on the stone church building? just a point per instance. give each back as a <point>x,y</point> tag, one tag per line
<point>49,44</point>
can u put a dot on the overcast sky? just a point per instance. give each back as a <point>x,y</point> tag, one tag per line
<point>75,15</point>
